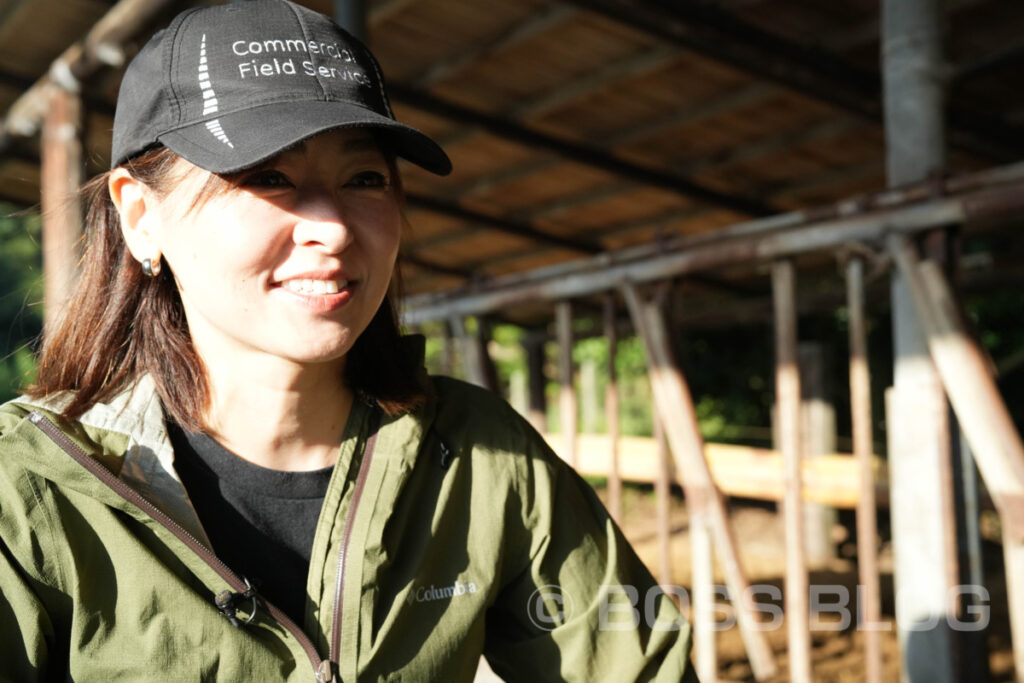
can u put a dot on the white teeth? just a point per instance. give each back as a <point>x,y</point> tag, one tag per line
<point>313,287</point>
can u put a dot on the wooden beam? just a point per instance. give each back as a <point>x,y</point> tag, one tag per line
<point>597,80</point>
<point>535,23</point>
<point>869,597</point>
<point>519,229</point>
<point>789,234</point>
<point>436,267</point>
<point>767,147</point>
<point>715,106</point>
<point>980,66</point>
<point>708,30</point>
<point>101,47</point>
<point>578,152</point>
<point>787,401</point>
<point>674,405</point>
<point>61,173</point>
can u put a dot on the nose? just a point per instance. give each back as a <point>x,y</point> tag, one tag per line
<point>321,222</point>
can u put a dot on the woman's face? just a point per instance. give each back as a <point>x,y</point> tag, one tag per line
<point>293,259</point>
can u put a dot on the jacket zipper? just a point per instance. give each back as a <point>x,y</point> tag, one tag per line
<point>339,580</point>
<point>324,669</point>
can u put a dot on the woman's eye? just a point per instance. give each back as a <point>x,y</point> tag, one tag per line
<point>268,178</point>
<point>369,179</point>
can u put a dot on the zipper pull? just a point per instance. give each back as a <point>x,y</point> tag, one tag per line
<point>325,672</point>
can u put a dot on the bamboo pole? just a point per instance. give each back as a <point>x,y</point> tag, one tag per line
<point>611,407</point>
<point>61,173</point>
<point>787,400</point>
<point>567,390</point>
<point>869,596</point>
<point>675,408</point>
<point>969,382</point>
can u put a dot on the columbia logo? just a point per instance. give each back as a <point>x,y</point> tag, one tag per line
<point>209,97</point>
<point>432,593</point>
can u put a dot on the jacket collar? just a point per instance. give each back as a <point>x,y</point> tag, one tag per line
<point>147,462</point>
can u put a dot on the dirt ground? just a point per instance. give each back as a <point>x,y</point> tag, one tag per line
<point>837,655</point>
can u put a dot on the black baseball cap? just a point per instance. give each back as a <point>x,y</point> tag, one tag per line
<point>229,86</point>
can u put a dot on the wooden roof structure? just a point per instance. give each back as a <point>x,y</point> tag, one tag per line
<point>584,127</point>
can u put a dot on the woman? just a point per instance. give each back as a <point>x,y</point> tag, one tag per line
<point>231,466</point>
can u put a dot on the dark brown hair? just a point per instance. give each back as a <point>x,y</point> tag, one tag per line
<point>120,324</point>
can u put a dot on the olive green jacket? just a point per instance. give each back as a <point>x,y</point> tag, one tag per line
<point>456,532</point>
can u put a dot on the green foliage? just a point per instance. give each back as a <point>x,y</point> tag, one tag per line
<point>20,294</point>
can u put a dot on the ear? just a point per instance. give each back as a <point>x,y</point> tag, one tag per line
<point>140,218</point>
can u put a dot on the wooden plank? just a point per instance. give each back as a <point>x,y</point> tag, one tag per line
<point>675,408</point>
<point>61,173</point>
<point>566,389</point>
<point>787,401</point>
<point>867,523</point>
<point>738,471</point>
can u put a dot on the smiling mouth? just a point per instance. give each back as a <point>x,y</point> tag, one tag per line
<point>309,287</point>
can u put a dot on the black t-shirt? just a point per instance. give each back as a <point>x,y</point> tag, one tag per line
<point>261,522</point>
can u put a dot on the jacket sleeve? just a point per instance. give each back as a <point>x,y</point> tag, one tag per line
<point>583,607</point>
<point>24,625</point>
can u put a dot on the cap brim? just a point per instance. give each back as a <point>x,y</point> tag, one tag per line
<point>234,141</point>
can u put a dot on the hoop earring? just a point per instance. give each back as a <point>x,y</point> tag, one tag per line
<point>151,267</point>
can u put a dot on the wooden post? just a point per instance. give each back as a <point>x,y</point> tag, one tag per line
<point>589,400</point>
<point>920,456</point>
<point>675,408</point>
<point>869,596</point>
<point>474,353</point>
<point>663,503</point>
<point>536,381</point>
<point>702,590</point>
<point>994,440</point>
<point>611,408</point>
<point>787,401</point>
<point>818,418</point>
<point>61,174</point>
<point>567,390</point>
<point>448,357</point>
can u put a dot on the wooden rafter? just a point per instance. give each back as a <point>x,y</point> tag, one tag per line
<point>535,24</point>
<point>714,33</point>
<point>577,152</point>
<point>520,229</point>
